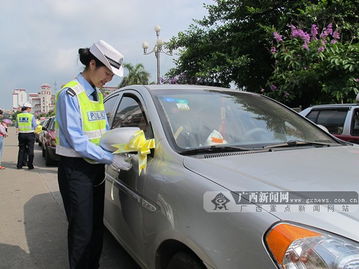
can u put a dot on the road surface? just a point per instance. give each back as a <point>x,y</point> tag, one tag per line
<point>32,219</point>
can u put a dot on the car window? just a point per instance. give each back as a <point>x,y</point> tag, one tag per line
<point>109,107</point>
<point>130,114</point>
<point>355,123</point>
<point>196,119</point>
<point>332,119</point>
<point>51,124</point>
<point>46,124</point>
<point>313,115</point>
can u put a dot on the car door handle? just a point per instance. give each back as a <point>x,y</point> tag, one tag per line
<point>144,202</point>
<point>124,188</point>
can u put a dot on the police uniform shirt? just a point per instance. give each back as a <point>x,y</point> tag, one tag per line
<point>70,125</point>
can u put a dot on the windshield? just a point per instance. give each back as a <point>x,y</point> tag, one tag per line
<point>196,119</point>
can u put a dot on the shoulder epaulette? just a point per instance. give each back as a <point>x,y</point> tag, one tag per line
<point>70,92</point>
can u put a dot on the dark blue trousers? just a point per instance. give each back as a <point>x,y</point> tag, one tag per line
<point>26,150</point>
<point>84,206</point>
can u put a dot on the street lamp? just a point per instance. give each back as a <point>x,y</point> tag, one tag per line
<point>157,49</point>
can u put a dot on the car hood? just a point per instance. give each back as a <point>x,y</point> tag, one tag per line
<point>300,169</point>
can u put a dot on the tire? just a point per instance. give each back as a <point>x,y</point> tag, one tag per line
<point>184,260</point>
<point>48,160</point>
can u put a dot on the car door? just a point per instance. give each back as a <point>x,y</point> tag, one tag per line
<point>123,202</point>
<point>332,118</point>
<point>45,136</point>
<point>41,134</point>
<point>354,126</point>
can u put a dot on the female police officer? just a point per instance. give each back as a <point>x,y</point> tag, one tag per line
<point>80,122</point>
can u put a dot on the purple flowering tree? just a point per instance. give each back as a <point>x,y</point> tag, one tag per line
<point>313,66</point>
<point>183,78</point>
<point>175,79</point>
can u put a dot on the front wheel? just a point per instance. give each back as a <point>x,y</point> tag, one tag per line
<point>43,150</point>
<point>184,260</point>
<point>48,160</point>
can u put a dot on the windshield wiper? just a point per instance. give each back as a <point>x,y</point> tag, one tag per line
<point>296,143</point>
<point>223,148</point>
<point>217,148</point>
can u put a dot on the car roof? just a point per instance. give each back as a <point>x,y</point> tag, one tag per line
<point>155,87</point>
<point>180,87</point>
<point>335,106</point>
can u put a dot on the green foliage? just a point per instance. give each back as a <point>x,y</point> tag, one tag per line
<point>314,68</point>
<point>50,114</point>
<point>136,75</point>
<point>46,115</point>
<point>233,44</point>
<point>14,115</point>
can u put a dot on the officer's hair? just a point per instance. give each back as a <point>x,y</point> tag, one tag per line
<point>86,56</point>
<point>23,108</point>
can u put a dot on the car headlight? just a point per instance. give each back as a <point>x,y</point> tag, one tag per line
<point>295,247</point>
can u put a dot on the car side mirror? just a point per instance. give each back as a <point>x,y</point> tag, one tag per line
<point>120,135</point>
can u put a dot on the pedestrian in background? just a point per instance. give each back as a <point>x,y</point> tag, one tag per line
<point>80,122</point>
<point>26,124</point>
<point>3,134</point>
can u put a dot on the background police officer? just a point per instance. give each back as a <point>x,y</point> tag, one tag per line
<point>25,124</point>
<point>80,122</point>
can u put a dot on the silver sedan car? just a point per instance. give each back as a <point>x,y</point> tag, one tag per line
<point>236,180</point>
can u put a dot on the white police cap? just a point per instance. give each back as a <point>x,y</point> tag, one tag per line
<point>109,56</point>
<point>27,104</point>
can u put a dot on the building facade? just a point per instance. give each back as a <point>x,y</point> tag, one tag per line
<point>35,101</point>
<point>19,97</point>
<point>46,98</point>
<point>42,102</point>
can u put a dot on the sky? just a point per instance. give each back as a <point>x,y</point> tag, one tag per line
<point>40,38</point>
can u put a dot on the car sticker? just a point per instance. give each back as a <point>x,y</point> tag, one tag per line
<point>182,104</point>
<point>169,99</point>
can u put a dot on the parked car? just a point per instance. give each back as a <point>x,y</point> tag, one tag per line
<point>341,120</point>
<point>49,142</point>
<point>41,134</point>
<point>37,133</point>
<point>212,144</point>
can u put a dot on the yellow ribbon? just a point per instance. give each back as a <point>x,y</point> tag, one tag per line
<point>140,144</point>
<point>38,129</point>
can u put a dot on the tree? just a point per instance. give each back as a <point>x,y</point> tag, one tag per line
<point>314,67</point>
<point>316,58</point>
<point>233,44</point>
<point>50,113</point>
<point>136,75</point>
<point>14,115</point>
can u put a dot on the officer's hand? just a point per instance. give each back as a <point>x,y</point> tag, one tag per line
<point>121,162</point>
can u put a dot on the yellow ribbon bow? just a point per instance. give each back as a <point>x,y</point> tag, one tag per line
<point>38,129</point>
<point>140,144</point>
